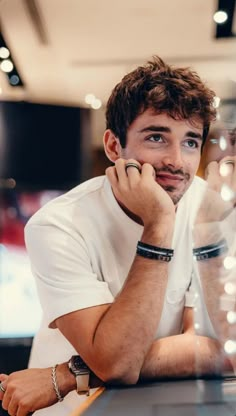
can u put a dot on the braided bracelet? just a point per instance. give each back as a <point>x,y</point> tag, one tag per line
<point>55,385</point>
<point>210,251</point>
<point>154,252</point>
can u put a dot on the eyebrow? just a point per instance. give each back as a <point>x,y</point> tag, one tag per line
<point>164,129</point>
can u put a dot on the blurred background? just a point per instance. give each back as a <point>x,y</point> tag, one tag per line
<point>59,60</point>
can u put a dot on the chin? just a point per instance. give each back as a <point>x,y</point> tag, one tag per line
<point>175,197</point>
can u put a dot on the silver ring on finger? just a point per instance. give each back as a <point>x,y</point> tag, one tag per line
<point>132,165</point>
<point>229,162</point>
<point>2,388</point>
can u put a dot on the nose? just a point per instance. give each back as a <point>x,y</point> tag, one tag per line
<point>173,158</point>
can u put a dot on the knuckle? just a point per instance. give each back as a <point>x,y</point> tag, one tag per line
<point>133,161</point>
<point>17,397</point>
<point>119,161</point>
<point>124,188</point>
<point>23,404</point>
<point>142,186</point>
<point>10,388</point>
<point>147,166</point>
<point>109,170</point>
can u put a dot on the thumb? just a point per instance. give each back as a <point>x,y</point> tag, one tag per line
<point>3,377</point>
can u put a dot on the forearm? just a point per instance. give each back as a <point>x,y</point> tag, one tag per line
<point>178,356</point>
<point>139,303</point>
<point>185,355</point>
<point>214,275</point>
<point>124,332</point>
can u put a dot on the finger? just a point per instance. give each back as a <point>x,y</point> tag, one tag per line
<point>112,176</point>
<point>131,164</point>
<point>133,170</point>
<point>231,159</point>
<point>227,169</point>
<point>6,400</point>
<point>12,407</point>
<point>23,411</point>
<point>228,173</point>
<point>212,176</point>
<point>121,171</point>
<point>148,170</point>
<point>3,377</point>
<point>127,167</point>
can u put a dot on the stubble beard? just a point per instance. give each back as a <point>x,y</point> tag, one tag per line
<point>175,197</point>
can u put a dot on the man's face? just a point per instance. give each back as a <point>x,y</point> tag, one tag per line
<point>220,143</point>
<point>172,147</point>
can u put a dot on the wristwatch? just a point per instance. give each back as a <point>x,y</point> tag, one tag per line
<point>81,372</point>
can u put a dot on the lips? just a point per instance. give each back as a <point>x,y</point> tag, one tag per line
<point>168,179</point>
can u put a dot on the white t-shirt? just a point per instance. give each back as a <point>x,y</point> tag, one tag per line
<point>81,246</point>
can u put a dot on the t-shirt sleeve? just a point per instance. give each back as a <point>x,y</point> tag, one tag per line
<point>63,271</point>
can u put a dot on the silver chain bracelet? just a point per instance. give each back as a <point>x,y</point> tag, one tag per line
<point>55,385</point>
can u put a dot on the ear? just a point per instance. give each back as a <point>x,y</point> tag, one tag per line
<point>112,146</point>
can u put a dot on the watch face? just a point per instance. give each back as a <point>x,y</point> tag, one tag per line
<point>78,363</point>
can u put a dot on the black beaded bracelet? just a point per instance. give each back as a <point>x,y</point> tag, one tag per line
<point>154,252</point>
<point>210,251</point>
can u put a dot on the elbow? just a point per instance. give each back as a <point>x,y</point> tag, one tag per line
<point>120,376</point>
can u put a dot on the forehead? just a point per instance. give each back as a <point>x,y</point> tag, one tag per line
<point>150,118</point>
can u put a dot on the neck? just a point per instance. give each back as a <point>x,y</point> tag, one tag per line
<point>130,214</point>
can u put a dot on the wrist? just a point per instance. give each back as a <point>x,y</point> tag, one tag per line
<point>206,234</point>
<point>211,250</point>
<point>158,234</point>
<point>157,220</point>
<point>66,380</point>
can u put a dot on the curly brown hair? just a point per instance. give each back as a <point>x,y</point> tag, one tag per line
<point>179,92</point>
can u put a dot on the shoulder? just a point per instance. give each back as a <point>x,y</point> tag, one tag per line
<point>65,208</point>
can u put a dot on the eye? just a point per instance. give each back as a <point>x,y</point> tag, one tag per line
<point>192,144</point>
<point>214,141</point>
<point>156,138</point>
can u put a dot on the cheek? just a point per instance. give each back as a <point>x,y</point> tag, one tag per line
<point>192,165</point>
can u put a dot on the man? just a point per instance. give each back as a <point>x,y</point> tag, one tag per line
<point>221,142</point>
<point>113,257</point>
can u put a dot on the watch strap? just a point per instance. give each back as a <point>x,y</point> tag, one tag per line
<point>82,382</point>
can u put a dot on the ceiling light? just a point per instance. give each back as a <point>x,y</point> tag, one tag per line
<point>4,52</point>
<point>229,262</point>
<point>229,288</point>
<point>231,317</point>
<point>6,65</point>
<point>14,80</point>
<point>89,98</point>
<point>227,194</point>
<point>223,143</point>
<point>220,17</point>
<point>230,347</point>
<point>96,104</point>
